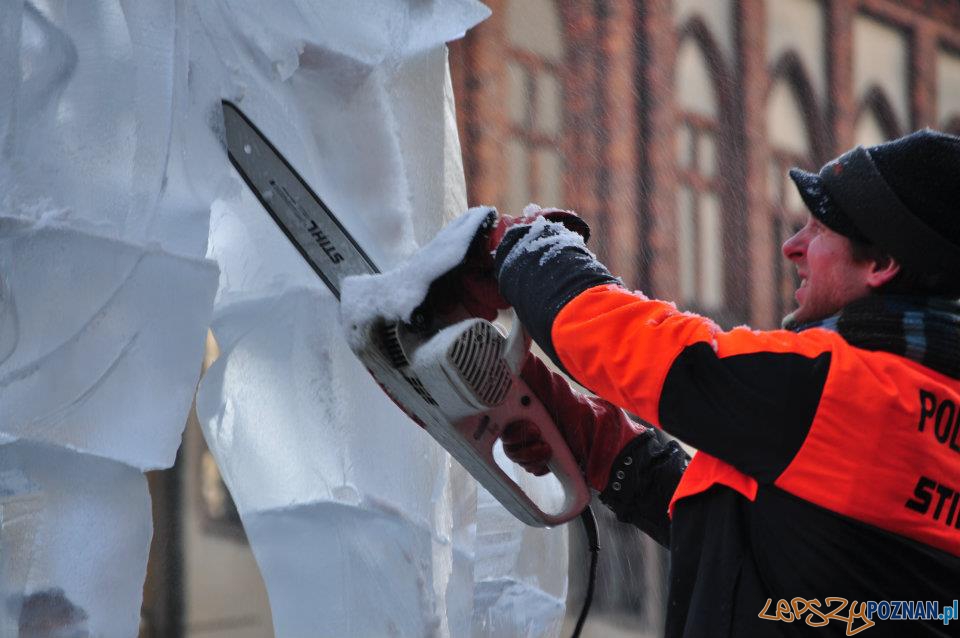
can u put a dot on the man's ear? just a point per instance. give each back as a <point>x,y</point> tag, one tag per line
<point>882,271</point>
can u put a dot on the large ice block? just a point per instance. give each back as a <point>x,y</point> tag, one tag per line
<point>353,95</point>
<point>74,533</point>
<point>108,166</point>
<point>360,523</point>
<point>323,82</point>
<point>295,417</point>
<point>345,501</point>
<point>100,341</point>
<point>358,520</point>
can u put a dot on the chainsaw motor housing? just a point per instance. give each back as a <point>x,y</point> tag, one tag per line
<point>462,384</point>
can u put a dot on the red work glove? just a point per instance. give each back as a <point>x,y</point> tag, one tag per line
<point>596,430</point>
<point>505,222</point>
<point>481,294</point>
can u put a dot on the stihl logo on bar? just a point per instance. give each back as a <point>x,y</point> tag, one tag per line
<point>324,242</point>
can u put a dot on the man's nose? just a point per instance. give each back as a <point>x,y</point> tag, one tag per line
<point>795,246</point>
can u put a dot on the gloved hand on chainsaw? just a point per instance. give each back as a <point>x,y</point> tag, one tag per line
<point>595,430</point>
<point>480,292</point>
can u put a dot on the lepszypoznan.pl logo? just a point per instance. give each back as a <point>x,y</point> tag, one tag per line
<point>858,616</point>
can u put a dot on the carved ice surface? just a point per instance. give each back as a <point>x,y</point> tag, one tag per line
<point>106,337</point>
<point>338,492</point>
<point>75,531</point>
<point>108,165</point>
<point>100,120</point>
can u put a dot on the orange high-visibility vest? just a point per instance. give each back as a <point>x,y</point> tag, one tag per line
<point>881,444</point>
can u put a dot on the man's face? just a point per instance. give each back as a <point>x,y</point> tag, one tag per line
<point>829,277</point>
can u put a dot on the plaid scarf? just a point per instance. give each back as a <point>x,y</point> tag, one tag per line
<point>922,329</point>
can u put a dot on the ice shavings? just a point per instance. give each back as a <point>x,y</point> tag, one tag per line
<point>712,326</point>
<point>506,608</point>
<point>667,311</point>
<point>396,293</point>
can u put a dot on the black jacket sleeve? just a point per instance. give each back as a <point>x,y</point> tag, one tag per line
<point>642,482</point>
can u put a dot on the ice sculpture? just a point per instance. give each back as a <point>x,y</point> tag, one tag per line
<point>110,167</point>
<point>105,295</point>
<point>360,523</point>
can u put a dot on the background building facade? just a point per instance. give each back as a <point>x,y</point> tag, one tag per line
<point>669,125</point>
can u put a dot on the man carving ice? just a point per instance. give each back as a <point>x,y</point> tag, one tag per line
<point>829,459</point>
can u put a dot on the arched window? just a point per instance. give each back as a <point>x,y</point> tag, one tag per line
<point>881,77</point>
<point>699,210</point>
<point>948,90</point>
<point>790,139</point>
<point>535,51</point>
<point>876,122</point>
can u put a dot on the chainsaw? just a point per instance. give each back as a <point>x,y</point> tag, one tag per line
<point>457,376</point>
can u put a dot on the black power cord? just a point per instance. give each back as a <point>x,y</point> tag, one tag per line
<point>593,542</point>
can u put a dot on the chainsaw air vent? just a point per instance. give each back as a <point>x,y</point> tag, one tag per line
<point>390,337</point>
<point>476,357</point>
<point>391,345</point>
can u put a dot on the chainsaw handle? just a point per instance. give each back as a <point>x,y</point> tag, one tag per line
<point>522,404</point>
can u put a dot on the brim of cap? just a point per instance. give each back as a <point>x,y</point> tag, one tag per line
<point>810,186</point>
<point>821,205</point>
